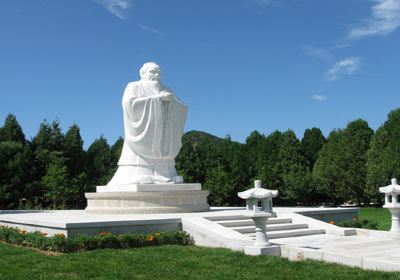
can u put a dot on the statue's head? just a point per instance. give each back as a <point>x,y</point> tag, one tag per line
<point>150,71</point>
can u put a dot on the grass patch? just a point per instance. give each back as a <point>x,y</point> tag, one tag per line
<point>380,216</point>
<point>168,262</point>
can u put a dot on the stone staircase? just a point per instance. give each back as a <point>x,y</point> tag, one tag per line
<point>276,227</point>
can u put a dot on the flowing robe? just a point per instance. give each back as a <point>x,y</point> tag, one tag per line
<point>153,132</point>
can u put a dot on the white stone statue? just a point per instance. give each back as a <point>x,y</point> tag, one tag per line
<point>153,122</point>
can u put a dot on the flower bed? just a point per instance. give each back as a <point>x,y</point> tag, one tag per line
<point>60,243</point>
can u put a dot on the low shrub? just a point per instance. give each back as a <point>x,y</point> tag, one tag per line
<point>357,223</point>
<point>60,243</point>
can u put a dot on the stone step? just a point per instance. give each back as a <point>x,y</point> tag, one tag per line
<point>225,218</point>
<point>289,233</point>
<point>279,227</point>
<point>249,222</point>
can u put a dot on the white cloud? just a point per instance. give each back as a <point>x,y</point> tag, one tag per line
<point>116,7</point>
<point>385,20</point>
<point>151,29</point>
<point>318,53</point>
<point>347,66</point>
<point>319,97</point>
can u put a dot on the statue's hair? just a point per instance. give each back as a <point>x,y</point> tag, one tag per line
<point>146,68</point>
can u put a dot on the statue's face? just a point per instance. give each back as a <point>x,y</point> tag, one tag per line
<point>153,74</point>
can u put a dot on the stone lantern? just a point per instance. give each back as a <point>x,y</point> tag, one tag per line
<point>392,202</point>
<point>259,209</point>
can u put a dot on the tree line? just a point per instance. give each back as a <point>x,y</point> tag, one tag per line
<point>53,170</point>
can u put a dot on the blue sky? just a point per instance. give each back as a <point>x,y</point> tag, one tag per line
<point>240,65</point>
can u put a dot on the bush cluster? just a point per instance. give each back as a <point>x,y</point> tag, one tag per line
<point>60,243</point>
<point>357,223</point>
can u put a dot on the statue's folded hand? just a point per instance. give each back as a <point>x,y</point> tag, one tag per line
<point>166,96</point>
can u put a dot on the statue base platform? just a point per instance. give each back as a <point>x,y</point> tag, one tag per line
<point>147,199</point>
<point>150,187</point>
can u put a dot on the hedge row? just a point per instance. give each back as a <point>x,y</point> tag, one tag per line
<point>60,243</point>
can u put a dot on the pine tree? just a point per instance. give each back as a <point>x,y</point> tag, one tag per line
<point>357,138</point>
<point>47,141</point>
<point>267,161</point>
<point>56,183</point>
<point>219,183</point>
<point>329,169</point>
<point>195,158</point>
<point>75,160</point>
<point>383,159</point>
<point>341,166</point>
<point>12,131</point>
<point>16,165</point>
<point>16,168</point>
<point>292,166</point>
<point>311,144</point>
<point>73,151</point>
<point>99,169</point>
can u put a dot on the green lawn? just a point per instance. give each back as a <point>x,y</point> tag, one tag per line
<point>381,216</point>
<point>168,262</point>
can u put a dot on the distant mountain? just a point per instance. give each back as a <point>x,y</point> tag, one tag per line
<point>195,137</point>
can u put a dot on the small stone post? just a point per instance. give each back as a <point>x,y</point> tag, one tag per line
<point>259,208</point>
<point>392,202</point>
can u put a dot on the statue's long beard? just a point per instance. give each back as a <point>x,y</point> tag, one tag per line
<point>150,87</point>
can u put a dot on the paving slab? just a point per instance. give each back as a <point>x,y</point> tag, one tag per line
<point>382,253</point>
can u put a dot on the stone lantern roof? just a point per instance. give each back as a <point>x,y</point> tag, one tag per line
<point>393,188</point>
<point>258,192</point>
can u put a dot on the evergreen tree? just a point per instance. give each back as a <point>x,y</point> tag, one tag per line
<point>383,159</point>
<point>195,158</point>
<point>241,171</point>
<point>12,131</point>
<point>56,183</point>
<point>329,169</point>
<point>99,164</point>
<point>311,144</point>
<point>255,143</point>
<point>75,161</point>
<point>267,163</point>
<point>357,138</point>
<point>73,151</point>
<point>188,163</point>
<point>47,141</point>
<point>292,166</point>
<point>341,166</point>
<point>219,183</point>
<point>16,168</point>
<point>16,165</point>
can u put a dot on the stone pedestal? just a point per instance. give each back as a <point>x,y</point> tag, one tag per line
<point>148,198</point>
<point>272,250</point>
<point>395,219</point>
<point>260,222</point>
<point>261,246</point>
